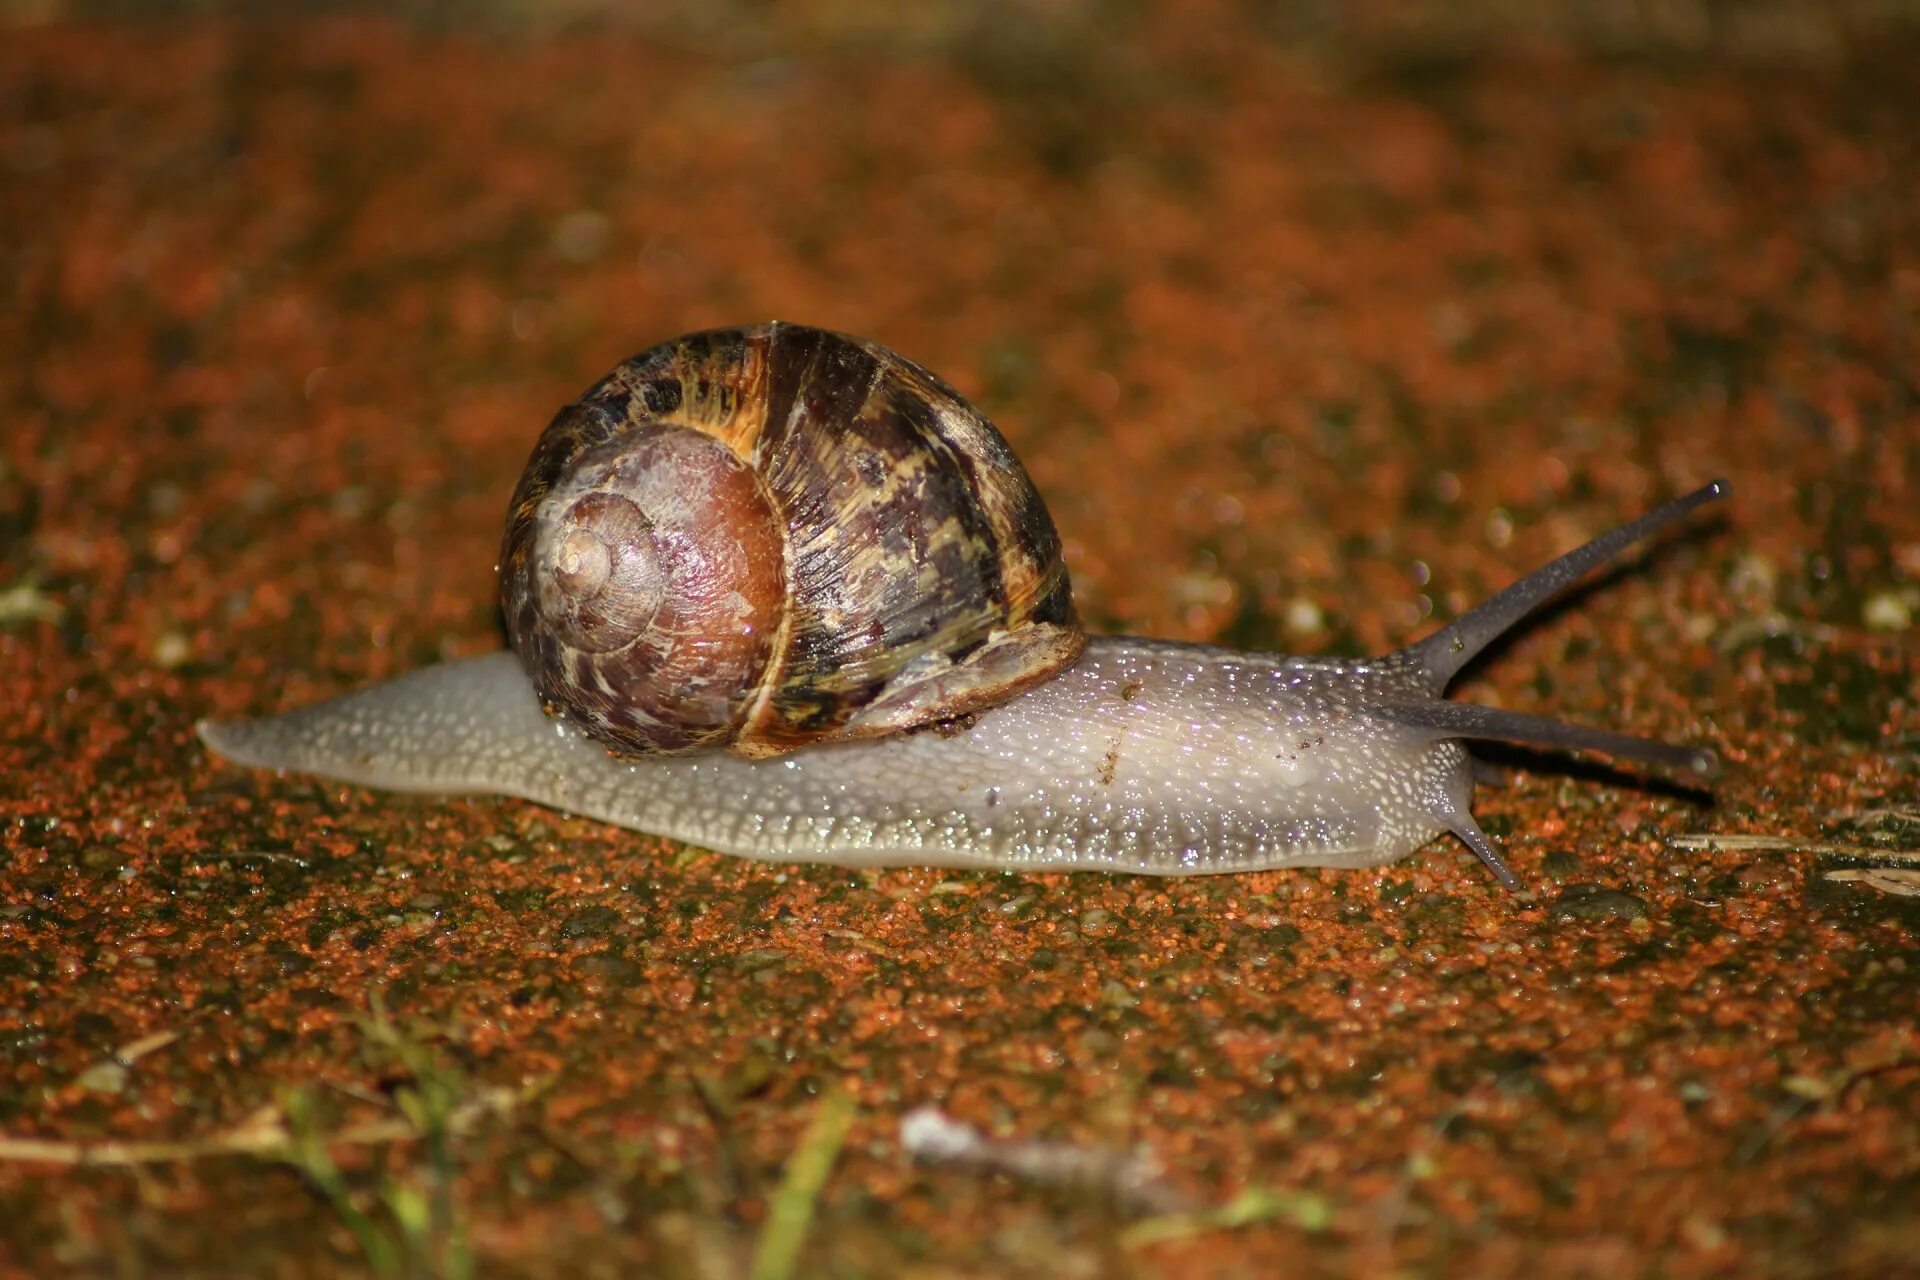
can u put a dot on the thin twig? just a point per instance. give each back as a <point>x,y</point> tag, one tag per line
<point>268,1137</point>
<point>134,1050</point>
<point>265,1133</point>
<point>1787,844</point>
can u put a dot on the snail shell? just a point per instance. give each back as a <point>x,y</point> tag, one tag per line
<point>765,537</point>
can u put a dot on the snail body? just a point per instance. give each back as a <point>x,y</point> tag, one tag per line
<point>964,720</point>
<point>1142,756</point>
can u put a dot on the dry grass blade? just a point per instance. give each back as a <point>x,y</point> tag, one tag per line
<point>791,1213</point>
<point>1898,881</point>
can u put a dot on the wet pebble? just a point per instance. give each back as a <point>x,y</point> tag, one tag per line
<point>1595,902</point>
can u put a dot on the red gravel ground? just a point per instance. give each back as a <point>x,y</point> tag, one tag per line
<point>1307,346</point>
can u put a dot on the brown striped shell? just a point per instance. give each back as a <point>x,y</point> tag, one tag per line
<point>766,537</point>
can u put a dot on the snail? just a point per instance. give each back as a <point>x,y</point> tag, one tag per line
<point>783,593</point>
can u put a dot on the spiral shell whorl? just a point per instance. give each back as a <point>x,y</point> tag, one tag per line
<point>644,587</point>
<point>602,578</point>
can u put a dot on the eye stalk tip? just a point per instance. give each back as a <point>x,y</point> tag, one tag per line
<point>1703,764</point>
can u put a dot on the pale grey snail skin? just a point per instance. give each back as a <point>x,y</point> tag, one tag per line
<point>1141,756</point>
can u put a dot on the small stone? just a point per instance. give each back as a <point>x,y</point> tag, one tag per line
<point>25,602</point>
<point>171,649</point>
<point>590,922</point>
<point>1888,611</point>
<point>1593,902</point>
<point>103,1077</point>
<point>614,969</point>
<point>102,857</point>
<point>1303,617</point>
<point>760,959</point>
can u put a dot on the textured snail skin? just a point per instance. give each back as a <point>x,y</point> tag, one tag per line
<point>1141,756</point>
